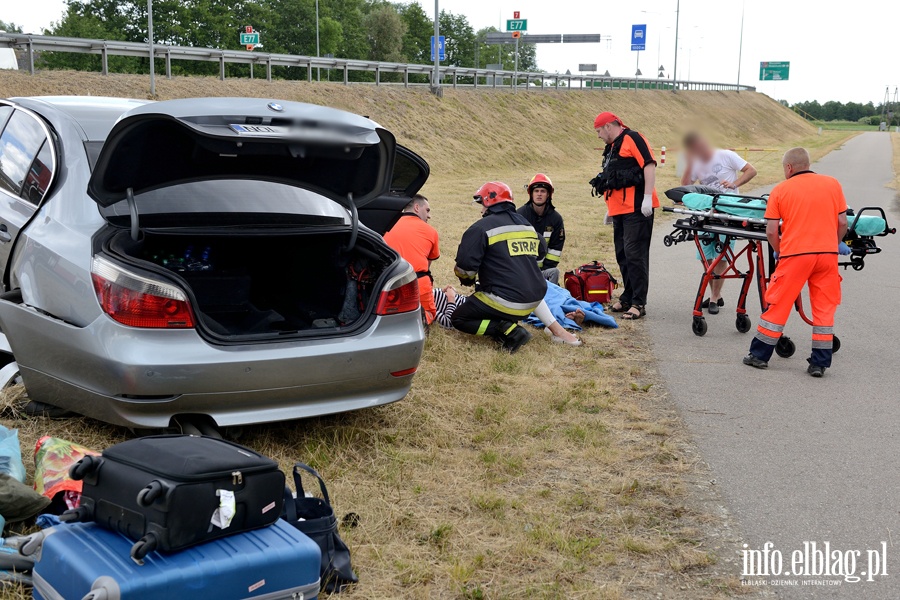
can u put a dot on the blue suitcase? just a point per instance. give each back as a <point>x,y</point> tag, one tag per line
<point>84,561</point>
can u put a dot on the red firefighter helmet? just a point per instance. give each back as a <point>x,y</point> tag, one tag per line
<point>540,180</point>
<point>493,192</point>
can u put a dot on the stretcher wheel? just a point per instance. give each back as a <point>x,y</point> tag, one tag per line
<point>668,241</point>
<point>742,323</point>
<point>699,326</point>
<point>785,347</point>
<point>835,344</point>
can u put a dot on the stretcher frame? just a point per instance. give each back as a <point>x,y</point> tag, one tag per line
<point>704,227</point>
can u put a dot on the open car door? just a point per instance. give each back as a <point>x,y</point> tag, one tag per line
<point>409,175</point>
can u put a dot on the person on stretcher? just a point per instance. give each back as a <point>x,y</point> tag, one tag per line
<point>725,171</point>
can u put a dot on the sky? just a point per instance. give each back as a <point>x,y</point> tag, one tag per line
<point>846,55</point>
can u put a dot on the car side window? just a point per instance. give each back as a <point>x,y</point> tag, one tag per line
<point>20,143</point>
<point>409,175</point>
<point>5,111</point>
<point>39,175</point>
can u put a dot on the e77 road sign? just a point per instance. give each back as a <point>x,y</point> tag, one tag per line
<point>517,24</point>
<point>250,38</point>
<point>774,71</point>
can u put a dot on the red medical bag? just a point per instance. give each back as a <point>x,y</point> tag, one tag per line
<point>591,283</point>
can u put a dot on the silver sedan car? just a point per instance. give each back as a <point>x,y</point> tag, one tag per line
<point>214,259</point>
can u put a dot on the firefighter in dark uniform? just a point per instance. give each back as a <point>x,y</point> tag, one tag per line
<point>548,223</point>
<point>500,252</point>
<point>627,184</point>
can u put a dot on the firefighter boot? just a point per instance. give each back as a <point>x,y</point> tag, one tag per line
<point>513,336</point>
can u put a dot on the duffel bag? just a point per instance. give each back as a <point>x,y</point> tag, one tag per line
<point>169,492</point>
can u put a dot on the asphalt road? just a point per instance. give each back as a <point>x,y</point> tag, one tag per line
<point>799,459</point>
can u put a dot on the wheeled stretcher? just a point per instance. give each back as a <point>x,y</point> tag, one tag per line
<point>736,227</point>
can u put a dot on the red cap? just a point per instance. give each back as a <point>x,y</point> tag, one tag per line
<point>605,118</point>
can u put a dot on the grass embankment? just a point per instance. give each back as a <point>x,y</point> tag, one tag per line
<point>554,473</point>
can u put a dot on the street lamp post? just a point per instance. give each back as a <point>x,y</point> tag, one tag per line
<point>318,69</point>
<point>741,47</point>
<point>150,41</point>
<point>675,69</point>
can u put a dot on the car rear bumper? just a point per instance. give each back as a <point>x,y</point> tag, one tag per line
<point>141,377</point>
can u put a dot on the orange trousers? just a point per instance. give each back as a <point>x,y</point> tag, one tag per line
<point>820,273</point>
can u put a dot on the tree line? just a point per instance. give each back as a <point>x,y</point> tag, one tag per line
<point>352,29</point>
<point>869,113</point>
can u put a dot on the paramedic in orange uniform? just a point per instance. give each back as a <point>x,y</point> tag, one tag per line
<point>813,216</point>
<point>417,242</point>
<point>627,184</point>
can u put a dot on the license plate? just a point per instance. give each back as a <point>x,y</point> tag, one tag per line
<point>260,130</point>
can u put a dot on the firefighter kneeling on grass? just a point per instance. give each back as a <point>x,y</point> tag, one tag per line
<point>501,252</point>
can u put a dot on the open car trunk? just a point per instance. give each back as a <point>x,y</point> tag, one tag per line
<point>253,287</point>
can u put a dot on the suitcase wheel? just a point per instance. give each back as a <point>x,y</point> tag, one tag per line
<point>76,515</point>
<point>143,547</point>
<point>84,467</point>
<point>149,494</point>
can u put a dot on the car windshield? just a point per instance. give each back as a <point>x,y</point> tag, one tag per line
<point>231,202</point>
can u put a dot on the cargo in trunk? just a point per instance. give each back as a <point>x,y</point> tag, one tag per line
<point>256,285</point>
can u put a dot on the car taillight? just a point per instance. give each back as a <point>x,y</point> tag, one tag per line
<point>137,301</point>
<point>403,296</point>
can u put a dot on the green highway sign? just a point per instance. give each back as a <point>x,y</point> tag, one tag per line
<point>249,38</point>
<point>517,24</point>
<point>774,71</point>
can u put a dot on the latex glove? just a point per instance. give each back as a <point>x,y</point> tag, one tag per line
<point>647,205</point>
<point>775,254</point>
<point>607,220</point>
<point>843,249</point>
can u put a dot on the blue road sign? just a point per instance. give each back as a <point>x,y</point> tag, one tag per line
<point>441,46</point>
<point>638,37</point>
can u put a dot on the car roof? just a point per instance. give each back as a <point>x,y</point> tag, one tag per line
<point>95,114</point>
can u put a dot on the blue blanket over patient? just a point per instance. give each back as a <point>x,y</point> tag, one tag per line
<point>561,302</point>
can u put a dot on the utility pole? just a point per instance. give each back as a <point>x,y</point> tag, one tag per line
<point>675,70</point>
<point>436,78</point>
<point>150,41</point>
<point>741,46</point>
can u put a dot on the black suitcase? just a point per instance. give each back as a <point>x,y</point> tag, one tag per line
<point>165,491</point>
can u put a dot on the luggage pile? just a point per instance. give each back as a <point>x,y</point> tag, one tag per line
<point>170,516</point>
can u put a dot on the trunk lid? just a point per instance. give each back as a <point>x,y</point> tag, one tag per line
<point>344,157</point>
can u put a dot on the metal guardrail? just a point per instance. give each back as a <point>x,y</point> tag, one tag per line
<point>105,48</point>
